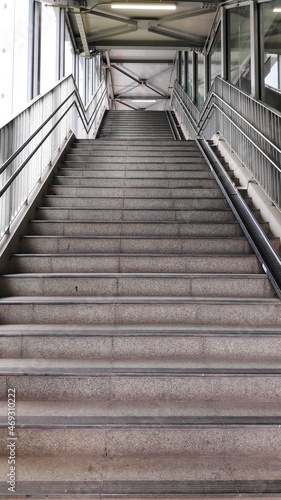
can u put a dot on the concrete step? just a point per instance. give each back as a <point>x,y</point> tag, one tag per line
<point>109,214</point>
<point>136,136</point>
<point>139,203</point>
<point>137,439</point>
<point>204,412</point>
<point>99,145</point>
<point>137,192</point>
<point>134,263</point>
<point>239,347</point>
<point>136,174</point>
<point>133,183</point>
<point>150,143</point>
<point>130,477</point>
<point>141,311</point>
<point>187,154</point>
<point>136,159</point>
<point>139,285</point>
<point>131,228</point>
<point>103,164</point>
<point>91,382</point>
<point>141,244</point>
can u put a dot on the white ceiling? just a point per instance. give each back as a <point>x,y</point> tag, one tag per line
<point>139,47</point>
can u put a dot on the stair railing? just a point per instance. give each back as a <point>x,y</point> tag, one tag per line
<point>251,129</point>
<point>30,141</point>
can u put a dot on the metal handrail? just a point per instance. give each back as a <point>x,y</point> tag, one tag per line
<point>41,144</point>
<point>264,250</point>
<point>258,150</point>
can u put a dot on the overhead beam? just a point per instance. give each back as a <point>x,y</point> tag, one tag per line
<point>137,80</point>
<point>136,61</point>
<point>177,36</point>
<point>112,17</point>
<point>121,30</point>
<point>83,36</point>
<point>131,97</point>
<point>147,44</point>
<point>185,15</point>
<point>126,104</point>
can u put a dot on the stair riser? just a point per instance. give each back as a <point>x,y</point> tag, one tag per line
<point>134,183</point>
<point>190,153</point>
<point>87,311</point>
<point>139,203</point>
<point>73,286</point>
<point>68,228</point>
<point>135,160</point>
<point>135,215</point>
<point>134,245</point>
<point>103,164</point>
<point>159,441</point>
<point>191,350</point>
<point>128,388</point>
<point>195,192</point>
<point>135,174</point>
<point>134,264</point>
<point>186,147</point>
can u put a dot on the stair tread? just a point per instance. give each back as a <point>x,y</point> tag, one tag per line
<point>136,300</point>
<point>73,329</point>
<point>135,368</point>
<point>240,409</point>
<point>135,275</point>
<point>145,477</point>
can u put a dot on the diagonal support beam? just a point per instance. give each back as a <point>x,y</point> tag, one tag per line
<point>172,34</point>
<point>121,30</point>
<point>113,18</point>
<point>184,15</point>
<point>137,80</point>
<point>83,36</point>
<point>126,104</point>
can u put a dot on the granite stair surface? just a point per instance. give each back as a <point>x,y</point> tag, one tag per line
<point>139,331</point>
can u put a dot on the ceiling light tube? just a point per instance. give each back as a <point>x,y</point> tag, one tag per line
<point>143,100</point>
<point>277,9</point>
<point>144,6</point>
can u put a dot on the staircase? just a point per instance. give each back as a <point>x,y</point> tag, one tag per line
<point>124,125</point>
<point>140,334</point>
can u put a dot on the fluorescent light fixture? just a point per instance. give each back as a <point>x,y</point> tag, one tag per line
<point>144,6</point>
<point>277,9</point>
<point>143,100</point>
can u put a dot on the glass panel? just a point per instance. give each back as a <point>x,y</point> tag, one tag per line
<point>81,82</point>
<point>190,75</point>
<point>14,45</point>
<point>182,69</point>
<point>49,52</point>
<point>69,54</point>
<point>272,54</point>
<point>215,57</point>
<point>200,81</point>
<point>239,53</point>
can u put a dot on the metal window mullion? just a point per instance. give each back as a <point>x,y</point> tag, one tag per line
<point>179,65</point>
<point>195,77</point>
<point>36,49</point>
<point>224,44</point>
<point>254,41</point>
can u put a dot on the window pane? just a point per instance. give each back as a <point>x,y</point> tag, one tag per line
<point>69,54</point>
<point>14,45</point>
<point>49,53</point>
<point>272,56</point>
<point>215,57</point>
<point>200,81</point>
<point>239,47</point>
<point>190,75</point>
